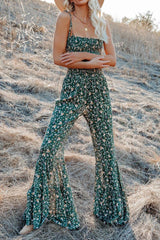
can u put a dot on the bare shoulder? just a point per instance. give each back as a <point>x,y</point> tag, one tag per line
<point>63,16</point>
<point>62,23</point>
<point>108,29</point>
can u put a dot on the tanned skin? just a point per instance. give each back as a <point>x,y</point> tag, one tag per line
<point>74,59</point>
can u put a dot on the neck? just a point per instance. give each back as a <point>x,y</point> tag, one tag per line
<point>82,11</point>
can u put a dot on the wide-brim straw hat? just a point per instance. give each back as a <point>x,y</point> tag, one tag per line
<point>59,4</point>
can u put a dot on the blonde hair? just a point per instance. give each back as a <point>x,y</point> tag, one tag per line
<point>96,18</point>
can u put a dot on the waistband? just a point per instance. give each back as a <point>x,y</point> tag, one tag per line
<point>85,70</point>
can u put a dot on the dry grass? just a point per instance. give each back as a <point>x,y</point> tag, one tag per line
<point>137,41</point>
<point>29,85</point>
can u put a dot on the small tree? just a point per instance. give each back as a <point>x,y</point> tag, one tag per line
<point>125,20</point>
<point>108,17</point>
<point>145,21</point>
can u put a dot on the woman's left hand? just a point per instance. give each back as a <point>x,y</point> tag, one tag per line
<point>71,57</point>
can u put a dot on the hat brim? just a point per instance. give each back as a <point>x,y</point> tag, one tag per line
<point>59,4</point>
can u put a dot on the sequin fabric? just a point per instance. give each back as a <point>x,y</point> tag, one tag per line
<point>84,92</point>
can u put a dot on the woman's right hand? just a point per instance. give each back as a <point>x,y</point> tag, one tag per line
<point>98,62</point>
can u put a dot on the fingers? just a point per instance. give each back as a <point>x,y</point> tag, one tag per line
<point>105,65</point>
<point>107,61</point>
<point>65,56</point>
<point>68,62</point>
<point>65,59</point>
<point>101,57</point>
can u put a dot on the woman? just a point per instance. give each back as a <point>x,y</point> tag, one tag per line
<point>84,92</point>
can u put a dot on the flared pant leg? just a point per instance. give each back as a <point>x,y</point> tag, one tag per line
<point>110,203</point>
<point>50,195</point>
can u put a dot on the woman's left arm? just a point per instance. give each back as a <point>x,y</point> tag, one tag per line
<point>109,49</point>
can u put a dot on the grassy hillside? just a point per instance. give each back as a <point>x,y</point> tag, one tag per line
<point>29,84</point>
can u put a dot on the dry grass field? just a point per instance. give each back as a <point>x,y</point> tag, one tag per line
<point>29,84</point>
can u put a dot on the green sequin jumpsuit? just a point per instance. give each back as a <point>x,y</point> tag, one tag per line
<point>84,92</point>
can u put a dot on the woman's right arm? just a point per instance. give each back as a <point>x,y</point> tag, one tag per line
<point>59,45</point>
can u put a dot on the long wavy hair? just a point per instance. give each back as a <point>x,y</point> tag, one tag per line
<point>96,18</point>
